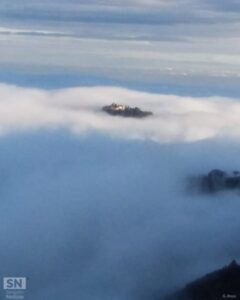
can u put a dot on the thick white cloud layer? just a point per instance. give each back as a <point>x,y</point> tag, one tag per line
<point>79,110</point>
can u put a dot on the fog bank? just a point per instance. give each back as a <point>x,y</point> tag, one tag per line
<point>101,218</point>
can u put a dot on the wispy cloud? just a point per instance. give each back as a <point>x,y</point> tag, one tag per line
<point>32,32</point>
<point>138,40</point>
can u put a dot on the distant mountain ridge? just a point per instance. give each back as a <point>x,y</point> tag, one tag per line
<point>220,284</point>
<point>216,181</point>
<point>125,111</point>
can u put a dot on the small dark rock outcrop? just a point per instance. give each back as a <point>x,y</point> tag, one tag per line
<point>217,180</point>
<point>125,111</point>
<point>221,284</point>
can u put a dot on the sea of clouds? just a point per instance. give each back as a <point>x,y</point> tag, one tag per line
<point>96,207</point>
